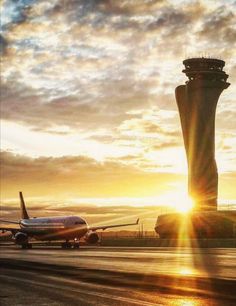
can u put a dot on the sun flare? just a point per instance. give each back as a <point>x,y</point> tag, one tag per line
<point>180,202</point>
<point>185,206</point>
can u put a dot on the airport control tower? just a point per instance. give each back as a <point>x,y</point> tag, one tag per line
<point>197,101</point>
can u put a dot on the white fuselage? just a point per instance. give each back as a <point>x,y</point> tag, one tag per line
<point>54,228</point>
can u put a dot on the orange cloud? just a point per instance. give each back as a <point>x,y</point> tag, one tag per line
<point>80,176</point>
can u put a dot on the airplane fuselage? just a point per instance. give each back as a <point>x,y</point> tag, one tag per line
<point>54,228</point>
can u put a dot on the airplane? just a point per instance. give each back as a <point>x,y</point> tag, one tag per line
<point>64,228</point>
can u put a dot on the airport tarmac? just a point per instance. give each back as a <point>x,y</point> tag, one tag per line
<point>117,276</point>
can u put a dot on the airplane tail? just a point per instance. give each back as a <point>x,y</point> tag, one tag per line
<point>24,214</point>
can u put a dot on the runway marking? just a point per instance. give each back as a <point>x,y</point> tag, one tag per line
<point>75,290</point>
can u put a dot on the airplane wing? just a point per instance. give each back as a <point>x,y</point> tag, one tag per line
<point>94,228</point>
<point>8,221</point>
<point>9,229</point>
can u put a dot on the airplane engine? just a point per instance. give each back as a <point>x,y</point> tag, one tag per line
<point>21,238</point>
<point>92,238</point>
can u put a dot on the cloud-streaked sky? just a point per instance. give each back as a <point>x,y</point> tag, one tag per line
<point>87,96</point>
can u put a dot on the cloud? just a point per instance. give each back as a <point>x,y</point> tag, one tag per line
<point>13,12</point>
<point>106,71</point>
<point>22,104</point>
<point>78,175</point>
<point>220,21</point>
<point>67,61</point>
<point>3,45</point>
<point>153,124</point>
<point>81,57</point>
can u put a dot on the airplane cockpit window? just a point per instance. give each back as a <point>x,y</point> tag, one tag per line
<point>79,222</point>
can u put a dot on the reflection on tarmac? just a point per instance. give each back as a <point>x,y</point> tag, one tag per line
<point>118,276</point>
<point>199,262</point>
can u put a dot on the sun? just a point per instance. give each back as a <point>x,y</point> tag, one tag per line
<point>185,205</point>
<point>179,201</point>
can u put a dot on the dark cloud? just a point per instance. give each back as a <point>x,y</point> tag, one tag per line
<point>69,111</point>
<point>83,75</point>
<point>17,12</point>
<point>220,22</point>
<point>171,19</point>
<point>47,169</point>
<point>123,15</point>
<point>3,45</point>
<point>103,10</point>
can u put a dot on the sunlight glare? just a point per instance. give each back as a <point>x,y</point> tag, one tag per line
<point>185,206</point>
<point>180,201</point>
<point>186,271</point>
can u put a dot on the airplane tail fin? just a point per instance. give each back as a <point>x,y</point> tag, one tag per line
<point>24,214</point>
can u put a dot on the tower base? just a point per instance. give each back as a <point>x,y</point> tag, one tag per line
<point>197,225</point>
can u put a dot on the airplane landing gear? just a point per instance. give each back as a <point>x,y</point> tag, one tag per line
<point>66,245</point>
<point>76,245</point>
<point>26,246</point>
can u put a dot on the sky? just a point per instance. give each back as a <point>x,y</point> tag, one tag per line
<point>89,122</point>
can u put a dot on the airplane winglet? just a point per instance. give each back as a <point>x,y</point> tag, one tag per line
<point>137,221</point>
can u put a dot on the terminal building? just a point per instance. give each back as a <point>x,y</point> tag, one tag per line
<point>197,225</point>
